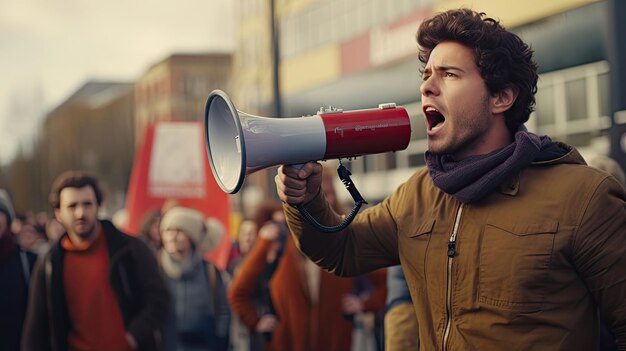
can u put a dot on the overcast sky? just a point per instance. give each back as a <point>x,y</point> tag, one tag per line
<point>48,49</point>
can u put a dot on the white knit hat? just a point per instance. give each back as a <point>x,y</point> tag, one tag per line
<point>188,220</point>
<point>206,235</point>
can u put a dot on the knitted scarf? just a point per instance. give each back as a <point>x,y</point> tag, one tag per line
<point>175,269</point>
<point>475,177</point>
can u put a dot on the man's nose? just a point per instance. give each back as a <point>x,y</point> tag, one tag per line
<point>429,87</point>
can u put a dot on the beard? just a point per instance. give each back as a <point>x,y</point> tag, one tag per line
<point>85,230</point>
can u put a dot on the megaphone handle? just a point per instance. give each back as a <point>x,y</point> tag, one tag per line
<point>344,175</point>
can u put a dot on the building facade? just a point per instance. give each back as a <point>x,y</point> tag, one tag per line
<point>176,88</point>
<point>354,54</point>
<point>92,130</point>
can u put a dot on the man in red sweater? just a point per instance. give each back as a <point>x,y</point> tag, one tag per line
<point>97,288</point>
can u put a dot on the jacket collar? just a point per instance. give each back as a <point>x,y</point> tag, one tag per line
<point>511,186</point>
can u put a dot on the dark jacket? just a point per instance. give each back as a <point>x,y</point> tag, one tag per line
<point>134,276</point>
<point>525,268</point>
<point>15,268</point>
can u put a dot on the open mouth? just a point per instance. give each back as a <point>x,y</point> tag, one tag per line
<point>434,118</point>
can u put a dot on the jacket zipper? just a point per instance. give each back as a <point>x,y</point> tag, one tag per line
<point>451,254</point>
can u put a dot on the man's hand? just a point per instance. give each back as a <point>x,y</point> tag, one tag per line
<point>298,185</point>
<point>267,323</point>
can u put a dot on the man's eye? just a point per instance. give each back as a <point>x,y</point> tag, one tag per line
<point>450,75</point>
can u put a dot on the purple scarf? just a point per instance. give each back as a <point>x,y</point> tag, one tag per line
<point>475,177</point>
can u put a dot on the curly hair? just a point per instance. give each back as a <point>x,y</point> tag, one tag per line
<point>502,58</point>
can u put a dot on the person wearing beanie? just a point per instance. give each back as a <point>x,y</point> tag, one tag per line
<point>97,288</point>
<point>15,268</point>
<point>199,317</point>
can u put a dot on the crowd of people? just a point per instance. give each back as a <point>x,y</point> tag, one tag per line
<point>91,286</point>
<point>505,240</point>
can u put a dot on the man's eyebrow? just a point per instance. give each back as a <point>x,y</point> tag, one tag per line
<point>443,68</point>
<point>449,68</point>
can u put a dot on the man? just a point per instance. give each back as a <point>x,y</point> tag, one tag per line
<point>508,240</point>
<point>97,288</point>
<point>15,268</point>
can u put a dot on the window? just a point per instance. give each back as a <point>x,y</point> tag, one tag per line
<point>576,99</point>
<point>545,106</point>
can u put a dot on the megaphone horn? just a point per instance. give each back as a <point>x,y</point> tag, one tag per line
<point>239,143</point>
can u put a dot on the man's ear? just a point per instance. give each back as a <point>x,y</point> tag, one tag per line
<point>56,215</point>
<point>503,100</point>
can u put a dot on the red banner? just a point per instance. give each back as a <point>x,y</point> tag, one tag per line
<point>172,166</point>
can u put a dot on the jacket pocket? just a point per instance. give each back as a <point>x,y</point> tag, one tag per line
<point>425,228</point>
<point>514,265</point>
<point>413,251</point>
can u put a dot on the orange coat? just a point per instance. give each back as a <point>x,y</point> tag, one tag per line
<point>302,326</point>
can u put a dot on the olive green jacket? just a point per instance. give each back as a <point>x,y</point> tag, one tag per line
<point>526,268</point>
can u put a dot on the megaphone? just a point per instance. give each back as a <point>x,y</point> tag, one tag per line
<point>239,143</point>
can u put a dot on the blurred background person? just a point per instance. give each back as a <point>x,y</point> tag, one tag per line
<point>15,268</point>
<point>246,235</point>
<point>364,307</point>
<point>307,304</point>
<point>32,237</point>
<point>149,231</point>
<point>368,333</point>
<point>401,328</point>
<point>97,288</point>
<point>41,218</point>
<point>54,230</point>
<point>18,220</point>
<point>240,336</point>
<point>199,317</point>
<point>256,317</point>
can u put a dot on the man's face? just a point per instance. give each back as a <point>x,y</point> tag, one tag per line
<point>456,103</point>
<point>78,211</point>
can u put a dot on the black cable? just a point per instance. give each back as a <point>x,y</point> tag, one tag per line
<point>344,175</point>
